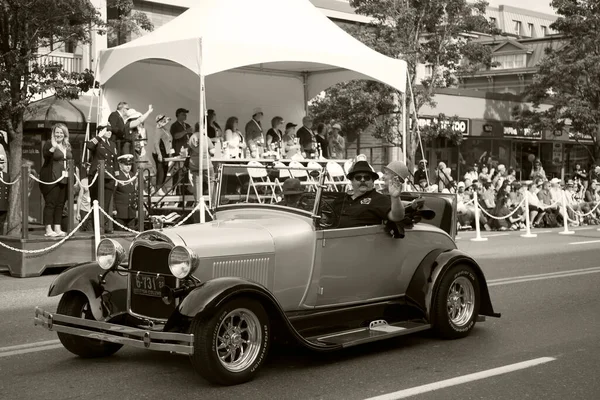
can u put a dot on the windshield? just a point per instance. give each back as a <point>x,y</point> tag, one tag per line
<point>291,184</point>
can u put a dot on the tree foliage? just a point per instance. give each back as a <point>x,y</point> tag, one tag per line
<point>123,20</point>
<point>435,33</point>
<point>569,75</point>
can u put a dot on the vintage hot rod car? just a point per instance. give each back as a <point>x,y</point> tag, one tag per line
<point>223,291</point>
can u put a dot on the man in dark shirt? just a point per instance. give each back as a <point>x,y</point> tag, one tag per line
<point>365,206</point>
<point>420,173</point>
<point>181,131</point>
<point>117,119</point>
<point>307,138</point>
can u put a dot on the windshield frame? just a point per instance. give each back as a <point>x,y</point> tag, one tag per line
<point>269,164</point>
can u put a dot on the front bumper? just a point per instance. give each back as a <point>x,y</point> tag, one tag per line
<point>136,337</point>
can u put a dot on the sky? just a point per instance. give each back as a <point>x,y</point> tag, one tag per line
<point>535,5</point>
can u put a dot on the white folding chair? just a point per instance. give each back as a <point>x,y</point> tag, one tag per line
<point>259,178</point>
<point>297,157</point>
<point>335,175</point>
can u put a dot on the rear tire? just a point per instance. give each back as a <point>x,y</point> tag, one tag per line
<point>231,346</point>
<point>456,305</point>
<point>76,304</point>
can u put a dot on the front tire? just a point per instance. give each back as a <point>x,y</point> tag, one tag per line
<point>457,303</point>
<point>232,344</point>
<point>76,304</point>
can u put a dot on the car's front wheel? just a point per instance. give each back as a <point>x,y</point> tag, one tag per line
<point>75,304</point>
<point>232,344</point>
<point>457,302</point>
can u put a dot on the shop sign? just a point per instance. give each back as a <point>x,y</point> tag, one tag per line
<point>582,137</point>
<point>461,125</point>
<point>488,128</point>
<point>524,133</point>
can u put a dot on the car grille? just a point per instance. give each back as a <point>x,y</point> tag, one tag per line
<point>152,261</point>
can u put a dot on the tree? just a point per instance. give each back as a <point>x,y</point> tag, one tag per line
<point>568,78</point>
<point>123,20</point>
<point>25,27</point>
<point>434,33</point>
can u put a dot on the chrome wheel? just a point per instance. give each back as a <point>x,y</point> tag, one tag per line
<point>239,340</point>
<point>461,301</point>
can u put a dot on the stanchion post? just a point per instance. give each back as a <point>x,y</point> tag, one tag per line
<point>96,215</point>
<point>101,191</point>
<point>70,202</point>
<point>566,231</point>
<point>527,233</point>
<point>25,201</point>
<point>478,237</point>
<point>141,216</point>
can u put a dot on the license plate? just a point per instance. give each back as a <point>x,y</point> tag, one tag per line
<point>147,285</point>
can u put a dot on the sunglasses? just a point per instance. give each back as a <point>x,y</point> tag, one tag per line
<point>363,177</point>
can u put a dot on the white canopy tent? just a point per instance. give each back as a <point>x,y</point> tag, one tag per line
<point>274,54</point>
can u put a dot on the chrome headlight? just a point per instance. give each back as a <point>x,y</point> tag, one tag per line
<point>182,262</point>
<point>109,254</point>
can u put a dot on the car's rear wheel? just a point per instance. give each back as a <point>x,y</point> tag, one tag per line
<point>232,344</point>
<point>75,304</point>
<point>457,302</point>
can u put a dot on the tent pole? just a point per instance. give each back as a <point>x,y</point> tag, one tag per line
<point>404,127</point>
<point>200,187</point>
<point>89,118</point>
<point>305,87</point>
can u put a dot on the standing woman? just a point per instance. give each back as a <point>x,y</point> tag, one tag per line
<point>234,138</point>
<point>56,153</point>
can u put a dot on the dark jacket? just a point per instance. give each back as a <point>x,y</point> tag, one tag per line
<point>306,140</point>
<point>4,192</point>
<point>54,165</point>
<point>117,126</point>
<point>125,197</point>
<point>102,150</point>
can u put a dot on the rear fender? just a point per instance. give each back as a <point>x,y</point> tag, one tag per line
<point>106,300</point>
<point>210,295</point>
<point>425,280</point>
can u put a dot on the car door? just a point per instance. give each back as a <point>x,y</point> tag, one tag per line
<point>357,264</point>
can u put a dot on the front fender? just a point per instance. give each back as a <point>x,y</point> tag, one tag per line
<point>424,282</point>
<point>207,298</point>
<point>106,300</point>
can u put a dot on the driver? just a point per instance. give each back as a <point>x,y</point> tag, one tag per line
<point>366,206</point>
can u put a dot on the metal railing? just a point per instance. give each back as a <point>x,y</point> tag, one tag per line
<point>70,62</point>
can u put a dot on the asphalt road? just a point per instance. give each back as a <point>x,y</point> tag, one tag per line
<point>545,346</point>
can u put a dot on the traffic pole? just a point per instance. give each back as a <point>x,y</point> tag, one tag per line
<point>478,237</point>
<point>528,233</point>
<point>566,231</point>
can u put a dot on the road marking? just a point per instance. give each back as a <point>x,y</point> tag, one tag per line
<point>30,350</point>
<point>402,394</point>
<point>586,242</point>
<point>28,345</point>
<point>549,275</point>
<point>496,234</point>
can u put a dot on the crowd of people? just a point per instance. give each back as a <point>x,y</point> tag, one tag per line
<point>501,197</point>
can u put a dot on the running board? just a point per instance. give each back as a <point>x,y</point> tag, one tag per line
<point>377,330</point>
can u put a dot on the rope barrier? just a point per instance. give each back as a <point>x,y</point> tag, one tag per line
<point>57,244</point>
<point>11,183</point>
<point>122,182</point>
<point>88,185</point>
<point>46,183</point>
<point>586,214</point>
<point>189,215</point>
<point>115,222</point>
<point>504,217</point>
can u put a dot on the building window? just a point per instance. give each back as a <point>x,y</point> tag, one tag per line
<point>517,27</point>
<point>428,71</point>
<point>544,30</point>
<point>510,61</point>
<point>493,22</point>
<point>530,30</point>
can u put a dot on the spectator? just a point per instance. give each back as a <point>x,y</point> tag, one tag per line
<point>550,207</point>
<point>213,130</point>
<point>536,208</point>
<point>194,155</point>
<point>134,124</point>
<point>163,149</point>
<point>471,174</point>
<point>537,172</point>
<point>421,172</point>
<point>234,139</point>
<point>336,144</point>
<point>254,134</point>
<point>180,131</point>
<point>117,119</point>
<point>275,135</point>
<point>322,142</point>
<point>307,138</point>
<point>291,147</point>
<point>56,152</point>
